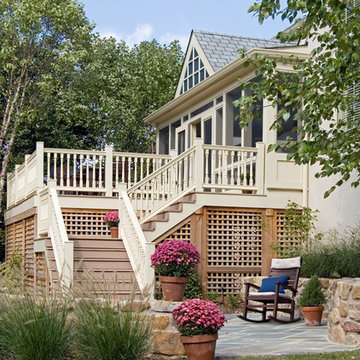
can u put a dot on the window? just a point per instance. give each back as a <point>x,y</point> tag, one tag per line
<point>195,72</point>
<point>164,140</point>
<point>288,129</point>
<point>202,109</point>
<point>174,126</point>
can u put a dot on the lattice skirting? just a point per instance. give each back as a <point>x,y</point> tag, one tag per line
<point>233,244</point>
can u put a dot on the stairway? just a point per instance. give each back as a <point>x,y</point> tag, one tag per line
<point>102,267</point>
<point>170,217</point>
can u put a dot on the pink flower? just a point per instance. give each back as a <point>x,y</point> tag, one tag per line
<point>195,317</point>
<point>111,218</point>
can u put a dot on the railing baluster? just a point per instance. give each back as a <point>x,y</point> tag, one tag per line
<point>55,172</point>
<point>147,167</point>
<point>61,169</point>
<point>123,169</point>
<point>87,170</point>
<point>48,175</point>
<point>116,169</point>
<point>129,171</point>
<point>141,168</point>
<point>94,159</point>
<point>232,168</point>
<point>207,166</point>
<point>251,168</point>
<point>238,168</point>
<point>68,170</point>
<point>74,170</point>
<point>81,170</point>
<point>100,171</point>
<point>135,170</point>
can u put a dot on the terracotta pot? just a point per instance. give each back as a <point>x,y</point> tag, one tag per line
<point>200,347</point>
<point>312,315</point>
<point>246,191</point>
<point>114,231</point>
<point>173,287</point>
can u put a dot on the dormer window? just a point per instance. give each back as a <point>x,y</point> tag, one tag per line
<point>195,72</point>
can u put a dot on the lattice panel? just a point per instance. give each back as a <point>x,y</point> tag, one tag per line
<point>85,222</point>
<point>29,251</point>
<point>42,283</point>
<point>10,239</point>
<point>183,233</point>
<point>234,238</point>
<point>227,283</point>
<point>283,239</point>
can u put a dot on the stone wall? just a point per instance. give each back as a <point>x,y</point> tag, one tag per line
<point>344,316</point>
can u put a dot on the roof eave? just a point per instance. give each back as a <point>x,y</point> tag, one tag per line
<point>193,94</point>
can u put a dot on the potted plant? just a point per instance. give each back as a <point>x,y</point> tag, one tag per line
<point>311,301</point>
<point>198,322</point>
<point>112,221</point>
<point>174,261</point>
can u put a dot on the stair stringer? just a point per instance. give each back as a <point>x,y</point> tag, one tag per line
<point>174,219</point>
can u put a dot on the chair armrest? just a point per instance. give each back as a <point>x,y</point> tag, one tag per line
<point>252,285</point>
<point>287,287</point>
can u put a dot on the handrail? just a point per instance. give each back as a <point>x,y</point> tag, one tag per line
<point>137,248</point>
<point>62,247</point>
<point>164,184</point>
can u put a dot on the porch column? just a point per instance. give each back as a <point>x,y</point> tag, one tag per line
<point>109,171</point>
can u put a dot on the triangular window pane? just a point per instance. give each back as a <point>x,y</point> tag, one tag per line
<point>201,64</point>
<point>195,53</point>
<point>191,55</point>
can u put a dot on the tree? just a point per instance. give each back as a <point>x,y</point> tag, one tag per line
<point>325,89</point>
<point>36,37</point>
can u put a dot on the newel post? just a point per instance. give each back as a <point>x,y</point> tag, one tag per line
<point>198,165</point>
<point>39,164</point>
<point>260,168</point>
<point>108,170</point>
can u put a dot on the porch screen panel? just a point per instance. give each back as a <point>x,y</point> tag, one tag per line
<point>233,248</point>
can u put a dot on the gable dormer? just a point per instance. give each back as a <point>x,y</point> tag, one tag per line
<point>196,66</point>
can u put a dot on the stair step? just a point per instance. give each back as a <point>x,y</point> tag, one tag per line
<point>189,198</point>
<point>163,216</point>
<point>177,207</point>
<point>148,226</point>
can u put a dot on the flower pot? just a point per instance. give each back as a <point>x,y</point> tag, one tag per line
<point>114,232</point>
<point>312,315</point>
<point>246,191</point>
<point>173,287</point>
<point>200,347</point>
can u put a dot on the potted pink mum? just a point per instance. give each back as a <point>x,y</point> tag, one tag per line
<point>174,260</point>
<point>112,221</point>
<point>198,322</point>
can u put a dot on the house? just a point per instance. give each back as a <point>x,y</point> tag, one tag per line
<point>209,182</point>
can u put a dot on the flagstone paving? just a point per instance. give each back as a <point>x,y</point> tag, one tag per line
<point>239,338</point>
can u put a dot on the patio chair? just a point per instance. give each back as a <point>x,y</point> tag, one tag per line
<point>283,276</point>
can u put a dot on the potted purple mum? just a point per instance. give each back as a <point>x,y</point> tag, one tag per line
<point>198,322</point>
<point>174,260</point>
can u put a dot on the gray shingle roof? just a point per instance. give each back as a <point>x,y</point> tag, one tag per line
<point>222,49</point>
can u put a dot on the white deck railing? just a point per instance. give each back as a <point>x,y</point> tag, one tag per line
<point>79,171</point>
<point>62,247</point>
<point>163,185</point>
<point>137,248</point>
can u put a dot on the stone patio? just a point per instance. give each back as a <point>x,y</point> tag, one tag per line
<point>239,338</point>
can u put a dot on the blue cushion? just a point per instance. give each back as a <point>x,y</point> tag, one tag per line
<point>269,284</point>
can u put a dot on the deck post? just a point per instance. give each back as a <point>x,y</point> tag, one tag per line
<point>26,175</point>
<point>39,164</point>
<point>260,168</point>
<point>109,171</point>
<point>198,165</point>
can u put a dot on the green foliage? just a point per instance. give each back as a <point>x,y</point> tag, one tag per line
<point>313,293</point>
<point>105,333</point>
<point>32,330</point>
<point>299,225</point>
<point>193,288</point>
<point>322,86</point>
<point>337,256</point>
<point>11,271</point>
<point>212,295</point>
<point>234,299</point>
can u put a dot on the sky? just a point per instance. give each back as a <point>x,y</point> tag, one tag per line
<point>167,20</point>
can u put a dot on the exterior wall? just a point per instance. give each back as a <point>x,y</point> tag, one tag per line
<point>340,209</point>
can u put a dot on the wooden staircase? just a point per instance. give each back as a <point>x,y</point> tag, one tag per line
<point>101,266</point>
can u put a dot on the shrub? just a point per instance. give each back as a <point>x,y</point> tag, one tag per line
<point>313,294</point>
<point>35,331</point>
<point>234,300</point>
<point>193,288</point>
<point>338,256</point>
<point>198,317</point>
<point>212,295</point>
<point>175,258</point>
<point>103,332</point>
